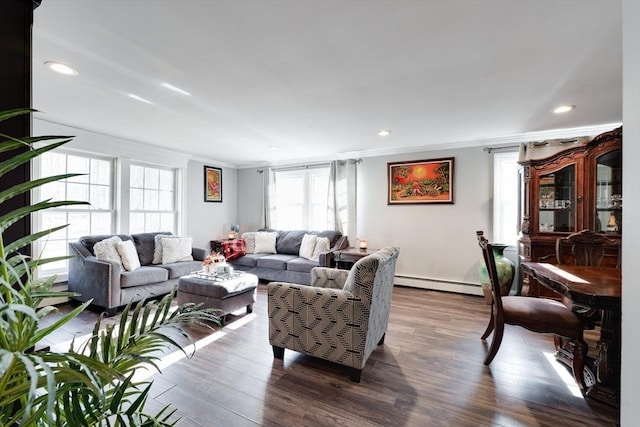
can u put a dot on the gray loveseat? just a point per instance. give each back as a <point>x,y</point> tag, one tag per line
<point>110,285</point>
<point>286,265</point>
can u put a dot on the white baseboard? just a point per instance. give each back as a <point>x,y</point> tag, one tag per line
<point>439,285</point>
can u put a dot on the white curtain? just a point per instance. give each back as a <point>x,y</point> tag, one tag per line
<point>269,198</point>
<point>342,197</point>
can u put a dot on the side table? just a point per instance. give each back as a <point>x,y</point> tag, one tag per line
<point>345,258</point>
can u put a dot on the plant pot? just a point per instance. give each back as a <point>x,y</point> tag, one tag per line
<point>505,269</point>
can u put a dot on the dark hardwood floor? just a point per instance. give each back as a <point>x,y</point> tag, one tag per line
<point>429,372</point>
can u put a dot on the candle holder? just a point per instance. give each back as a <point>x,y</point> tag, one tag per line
<point>363,245</point>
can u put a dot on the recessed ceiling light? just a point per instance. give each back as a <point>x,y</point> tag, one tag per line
<point>138,98</point>
<point>175,89</point>
<point>563,109</point>
<point>384,132</point>
<point>61,68</point>
<point>274,147</point>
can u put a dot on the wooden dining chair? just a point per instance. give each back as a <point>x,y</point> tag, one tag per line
<point>534,314</point>
<point>591,249</point>
<point>588,248</point>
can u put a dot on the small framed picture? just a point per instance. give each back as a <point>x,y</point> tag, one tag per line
<point>212,184</point>
<point>420,181</point>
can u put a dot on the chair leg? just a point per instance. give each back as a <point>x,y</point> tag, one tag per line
<point>278,352</point>
<point>495,344</point>
<point>579,353</point>
<point>489,329</point>
<point>355,374</point>
<point>382,339</point>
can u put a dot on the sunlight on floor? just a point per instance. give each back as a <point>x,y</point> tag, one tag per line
<point>147,371</point>
<point>564,375</point>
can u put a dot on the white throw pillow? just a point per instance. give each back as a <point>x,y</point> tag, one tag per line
<point>105,250</point>
<point>157,250</point>
<point>128,255</point>
<point>307,246</point>
<point>250,242</point>
<point>176,249</point>
<point>265,243</point>
<point>322,245</point>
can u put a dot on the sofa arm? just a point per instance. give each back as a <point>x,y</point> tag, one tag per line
<point>199,254</point>
<point>328,277</point>
<point>94,279</point>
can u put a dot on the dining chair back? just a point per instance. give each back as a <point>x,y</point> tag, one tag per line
<point>588,248</point>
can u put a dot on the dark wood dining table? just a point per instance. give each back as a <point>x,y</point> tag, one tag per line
<point>598,288</point>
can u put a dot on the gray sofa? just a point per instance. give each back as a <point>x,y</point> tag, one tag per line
<point>286,265</point>
<point>110,286</point>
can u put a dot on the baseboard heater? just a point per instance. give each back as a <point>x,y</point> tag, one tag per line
<point>438,284</point>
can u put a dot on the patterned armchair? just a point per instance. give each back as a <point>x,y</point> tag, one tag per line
<point>341,317</point>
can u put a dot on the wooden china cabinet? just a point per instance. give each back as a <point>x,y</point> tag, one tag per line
<point>568,186</point>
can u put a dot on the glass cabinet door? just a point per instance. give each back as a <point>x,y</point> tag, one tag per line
<point>556,210</point>
<point>609,192</point>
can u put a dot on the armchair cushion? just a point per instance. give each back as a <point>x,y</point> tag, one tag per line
<point>323,277</point>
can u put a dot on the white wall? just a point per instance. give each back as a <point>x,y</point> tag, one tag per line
<point>250,188</point>
<point>629,408</point>
<point>209,220</point>
<point>438,246</point>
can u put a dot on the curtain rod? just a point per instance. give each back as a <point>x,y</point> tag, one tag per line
<point>311,166</point>
<point>501,148</point>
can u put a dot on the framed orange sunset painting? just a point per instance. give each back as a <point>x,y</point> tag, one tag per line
<point>420,181</point>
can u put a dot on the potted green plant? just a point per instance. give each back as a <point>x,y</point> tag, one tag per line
<point>92,383</point>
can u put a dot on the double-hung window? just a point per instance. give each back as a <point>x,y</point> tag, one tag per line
<point>152,199</point>
<point>301,199</point>
<point>505,198</point>
<point>94,185</point>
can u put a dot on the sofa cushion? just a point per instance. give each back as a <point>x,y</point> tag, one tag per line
<point>308,245</point>
<point>128,255</point>
<point>289,242</point>
<point>250,241</point>
<point>266,243</point>
<point>180,269</point>
<point>144,275</point>
<point>322,245</point>
<point>233,249</point>
<point>332,235</point>
<point>249,260</point>
<point>146,244</point>
<point>302,265</point>
<point>106,250</point>
<point>89,241</point>
<point>176,250</point>
<point>157,251</point>
<point>276,261</point>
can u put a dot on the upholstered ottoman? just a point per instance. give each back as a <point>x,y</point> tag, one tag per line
<point>224,295</point>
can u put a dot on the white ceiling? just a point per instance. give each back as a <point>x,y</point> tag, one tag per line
<point>319,78</point>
